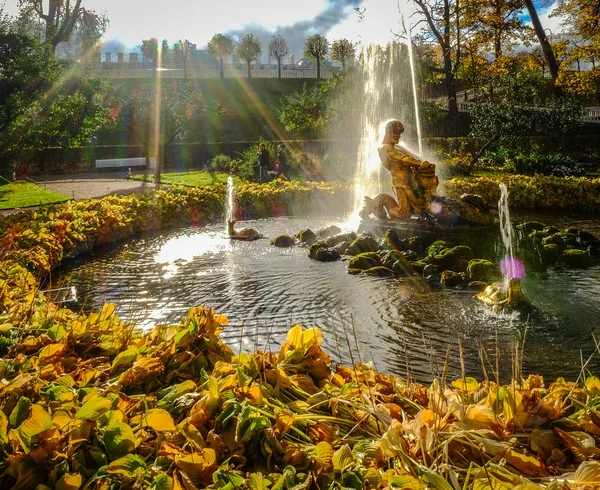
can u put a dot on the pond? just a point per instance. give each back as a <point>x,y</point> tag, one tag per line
<point>400,325</point>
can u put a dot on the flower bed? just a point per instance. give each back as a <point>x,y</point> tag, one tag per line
<point>41,239</point>
<point>538,191</point>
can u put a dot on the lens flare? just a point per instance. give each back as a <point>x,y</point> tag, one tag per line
<point>512,268</point>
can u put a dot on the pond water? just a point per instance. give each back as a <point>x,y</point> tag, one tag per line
<point>399,324</point>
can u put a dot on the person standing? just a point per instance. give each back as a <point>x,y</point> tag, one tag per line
<point>281,168</point>
<point>263,161</point>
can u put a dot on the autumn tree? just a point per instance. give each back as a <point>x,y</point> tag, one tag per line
<point>439,16</point>
<point>343,51</point>
<point>249,49</point>
<point>63,17</point>
<point>278,48</point>
<point>220,47</point>
<point>316,48</point>
<point>184,50</point>
<point>494,22</point>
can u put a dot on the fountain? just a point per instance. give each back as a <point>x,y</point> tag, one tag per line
<point>246,234</point>
<point>506,293</point>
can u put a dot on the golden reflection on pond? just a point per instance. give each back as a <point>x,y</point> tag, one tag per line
<point>183,249</point>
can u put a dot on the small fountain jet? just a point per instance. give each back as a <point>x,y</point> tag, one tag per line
<point>246,234</point>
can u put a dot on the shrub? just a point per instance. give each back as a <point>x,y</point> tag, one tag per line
<point>220,163</point>
<point>532,163</point>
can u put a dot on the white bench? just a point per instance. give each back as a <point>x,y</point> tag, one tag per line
<point>124,162</point>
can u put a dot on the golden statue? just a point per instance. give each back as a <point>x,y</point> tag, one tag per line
<point>414,181</point>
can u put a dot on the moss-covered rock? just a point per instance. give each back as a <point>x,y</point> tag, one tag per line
<point>392,256</point>
<point>530,226</point>
<point>380,271</point>
<point>363,243</point>
<point>397,262</point>
<point>437,247</point>
<point>319,251</point>
<point>448,257</point>
<point>450,279</point>
<point>577,258</point>
<point>533,259</point>
<point>329,231</point>
<point>550,253</point>
<point>306,236</point>
<point>334,240</point>
<point>433,280</point>
<point>410,255</point>
<point>394,242</point>
<point>555,239</point>
<point>418,243</point>
<point>282,241</point>
<point>420,264</point>
<point>478,286</point>
<point>482,270</point>
<point>430,269</point>
<point>326,255</point>
<point>342,248</point>
<point>551,230</point>
<point>460,265</point>
<point>365,261</point>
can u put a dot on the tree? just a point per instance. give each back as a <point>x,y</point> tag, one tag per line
<point>42,107</point>
<point>316,48</point>
<point>184,50</point>
<point>438,15</point>
<point>492,20</point>
<point>545,44</point>
<point>220,46</point>
<point>149,49</point>
<point>343,51</point>
<point>278,48</point>
<point>141,113</point>
<point>514,107</point>
<point>164,51</point>
<point>62,18</point>
<point>249,49</point>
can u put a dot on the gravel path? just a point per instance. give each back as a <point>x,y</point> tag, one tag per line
<point>87,186</point>
<point>80,187</point>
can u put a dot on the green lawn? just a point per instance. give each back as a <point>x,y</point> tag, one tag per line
<point>193,178</point>
<point>24,194</point>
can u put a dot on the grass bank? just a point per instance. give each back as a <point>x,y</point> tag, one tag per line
<point>26,194</point>
<point>192,179</point>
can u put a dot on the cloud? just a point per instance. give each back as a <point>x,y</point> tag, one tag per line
<point>295,34</point>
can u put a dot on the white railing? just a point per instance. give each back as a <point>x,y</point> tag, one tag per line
<point>592,114</point>
<point>214,73</point>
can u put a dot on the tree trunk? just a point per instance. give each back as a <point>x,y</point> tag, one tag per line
<point>545,44</point>
<point>221,67</point>
<point>489,142</point>
<point>279,68</point>
<point>318,68</point>
<point>450,87</point>
<point>158,165</point>
<point>249,69</point>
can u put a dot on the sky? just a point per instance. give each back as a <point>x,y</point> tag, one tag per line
<point>198,20</point>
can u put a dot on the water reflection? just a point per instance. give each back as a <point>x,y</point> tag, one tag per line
<point>400,325</point>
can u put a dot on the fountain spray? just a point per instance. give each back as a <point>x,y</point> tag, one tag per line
<point>510,265</point>
<point>411,60</point>
<point>229,205</point>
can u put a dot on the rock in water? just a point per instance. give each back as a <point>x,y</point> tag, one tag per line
<point>282,241</point>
